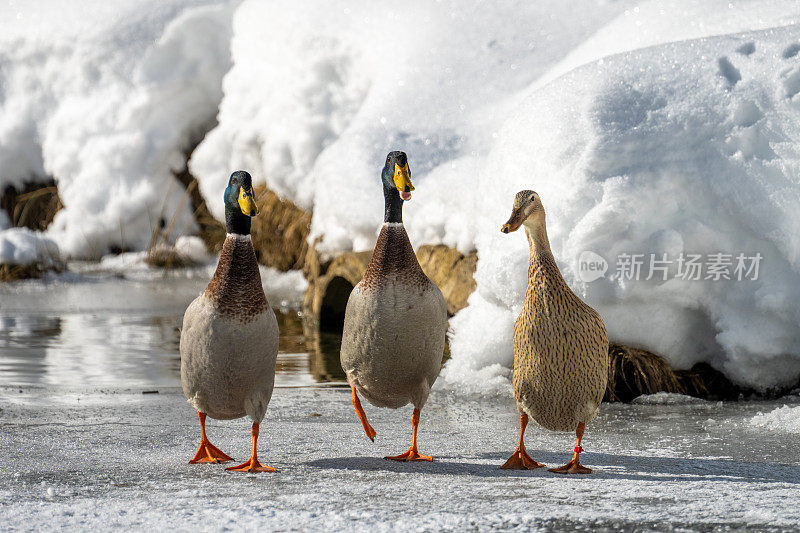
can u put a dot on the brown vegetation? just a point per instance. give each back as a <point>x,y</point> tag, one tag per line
<point>32,206</point>
<point>280,231</point>
<point>20,272</point>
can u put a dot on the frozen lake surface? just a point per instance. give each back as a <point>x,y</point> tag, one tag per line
<point>104,459</point>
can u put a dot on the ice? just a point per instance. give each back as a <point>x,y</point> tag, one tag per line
<point>665,398</point>
<point>119,460</point>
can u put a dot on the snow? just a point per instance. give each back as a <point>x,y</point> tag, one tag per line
<point>188,247</point>
<point>191,247</point>
<point>106,98</point>
<point>313,103</point>
<point>661,126</point>
<point>785,418</point>
<point>118,458</point>
<point>21,246</point>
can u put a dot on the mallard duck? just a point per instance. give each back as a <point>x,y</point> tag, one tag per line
<point>560,345</point>
<point>396,318</point>
<point>229,341</point>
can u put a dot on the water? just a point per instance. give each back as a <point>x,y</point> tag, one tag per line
<point>104,328</point>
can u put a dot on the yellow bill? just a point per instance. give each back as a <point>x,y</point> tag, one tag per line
<point>247,201</point>
<point>402,180</point>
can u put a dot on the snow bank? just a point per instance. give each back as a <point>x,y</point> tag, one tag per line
<point>106,97</point>
<point>320,91</point>
<point>784,418</point>
<point>688,147</point>
<point>21,246</point>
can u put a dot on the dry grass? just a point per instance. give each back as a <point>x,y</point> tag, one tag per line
<point>280,231</point>
<point>19,272</point>
<point>633,372</point>
<point>167,258</point>
<point>212,231</point>
<point>33,206</point>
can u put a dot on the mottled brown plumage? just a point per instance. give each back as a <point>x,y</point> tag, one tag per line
<point>560,343</point>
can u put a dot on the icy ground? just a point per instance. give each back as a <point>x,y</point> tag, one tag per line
<point>100,460</point>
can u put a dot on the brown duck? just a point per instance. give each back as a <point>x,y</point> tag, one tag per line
<point>560,345</point>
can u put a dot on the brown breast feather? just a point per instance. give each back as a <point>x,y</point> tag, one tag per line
<point>394,259</point>
<point>235,289</point>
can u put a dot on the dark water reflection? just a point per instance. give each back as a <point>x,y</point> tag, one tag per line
<point>113,332</point>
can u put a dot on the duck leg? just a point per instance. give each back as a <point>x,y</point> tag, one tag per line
<point>412,454</point>
<point>520,460</point>
<point>574,466</point>
<point>252,464</point>
<point>362,415</point>
<point>207,452</point>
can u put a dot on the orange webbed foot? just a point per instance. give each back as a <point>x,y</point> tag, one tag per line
<point>411,455</point>
<point>520,460</point>
<point>572,467</point>
<point>208,453</point>
<point>251,466</point>
<point>371,434</point>
<point>575,466</point>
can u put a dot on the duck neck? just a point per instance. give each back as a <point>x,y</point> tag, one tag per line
<point>536,231</point>
<point>393,206</point>
<point>236,222</point>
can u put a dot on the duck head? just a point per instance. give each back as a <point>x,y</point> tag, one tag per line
<point>240,203</point>
<point>527,210</point>
<point>397,187</point>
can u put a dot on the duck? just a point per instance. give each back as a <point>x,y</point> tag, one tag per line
<point>560,346</point>
<point>396,318</point>
<point>229,339</point>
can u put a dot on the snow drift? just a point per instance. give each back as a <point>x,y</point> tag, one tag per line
<point>321,91</point>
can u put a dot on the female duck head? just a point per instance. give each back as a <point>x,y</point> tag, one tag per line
<point>240,203</point>
<point>397,187</point>
<point>528,210</point>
